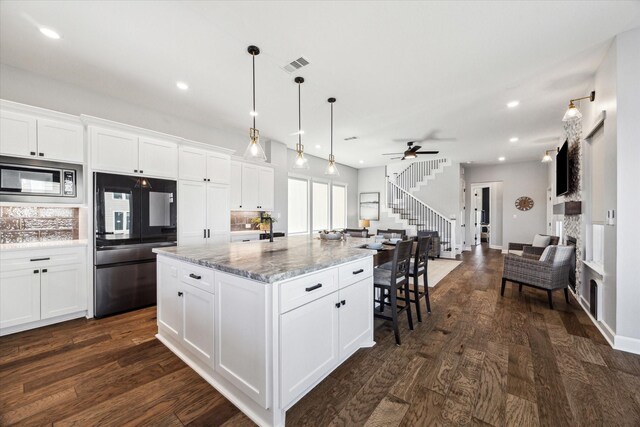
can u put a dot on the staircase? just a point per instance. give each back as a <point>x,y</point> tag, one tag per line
<point>412,213</point>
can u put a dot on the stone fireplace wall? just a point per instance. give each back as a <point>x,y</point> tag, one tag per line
<point>573,224</point>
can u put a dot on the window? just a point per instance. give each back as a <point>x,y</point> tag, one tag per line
<point>320,204</point>
<point>298,209</point>
<point>120,196</point>
<point>338,206</point>
<point>120,222</point>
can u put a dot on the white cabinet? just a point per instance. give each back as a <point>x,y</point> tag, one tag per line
<point>60,141</point>
<point>30,136</point>
<point>62,290</point>
<point>203,213</point>
<point>236,185</point>
<point>113,151</point>
<point>127,153</point>
<point>193,164</point>
<point>356,318</point>
<point>185,312</point>
<point>218,168</point>
<point>309,340</point>
<point>252,187</point>
<point>18,135</point>
<point>201,165</point>
<point>157,158</point>
<point>192,212</point>
<point>38,286</point>
<point>197,326</point>
<point>246,237</point>
<point>19,297</point>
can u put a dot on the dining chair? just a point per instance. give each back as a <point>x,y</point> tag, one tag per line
<point>389,281</point>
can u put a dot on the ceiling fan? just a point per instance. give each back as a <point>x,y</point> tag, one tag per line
<point>411,153</point>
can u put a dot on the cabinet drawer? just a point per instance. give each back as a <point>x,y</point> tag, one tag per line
<point>297,292</point>
<point>200,277</point>
<point>41,258</point>
<point>355,271</point>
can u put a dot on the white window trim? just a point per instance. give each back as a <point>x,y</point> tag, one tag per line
<point>346,201</point>
<point>309,226</point>
<point>329,186</point>
<point>330,182</point>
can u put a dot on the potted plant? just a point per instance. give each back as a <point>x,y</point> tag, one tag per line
<point>263,223</point>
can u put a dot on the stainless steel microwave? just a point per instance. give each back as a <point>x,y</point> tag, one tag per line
<point>39,181</point>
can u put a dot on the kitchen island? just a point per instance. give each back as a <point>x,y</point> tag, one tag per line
<point>265,322</point>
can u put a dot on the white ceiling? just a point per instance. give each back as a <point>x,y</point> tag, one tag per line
<point>399,70</point>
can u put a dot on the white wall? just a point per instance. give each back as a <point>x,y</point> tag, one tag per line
<point>518,179</point>
<point>32,89</point>
<point>628,121</point>
<point>442,192</point>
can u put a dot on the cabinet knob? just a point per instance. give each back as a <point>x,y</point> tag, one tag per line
<point>337,305</point>
<point>41,154</point>
<point>343,302</point>
<point>44,270</point>
<point>33,153</point>
<point>358,271</point>
<point>204,179</point>
<point>135,170</point>
<point>194,276</point>
<point>180,294</point>
<point>36,271</point>
<point>141,171</point>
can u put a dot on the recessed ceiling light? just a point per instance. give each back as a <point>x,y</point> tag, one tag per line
<point>469,162</point>
<point>513,104</point>
<point>318,146</point>
<point>253,113</point>
<point>514,139</point>
<point>361,161</point>
<point>182,85</point>
<point>501,159</point>
<point>50,33</point>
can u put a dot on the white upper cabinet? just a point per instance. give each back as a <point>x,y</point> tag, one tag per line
<point>218,168</point>
<point>265,188</point>
<point>236,185</point>
<point>202,165</point>
<point>60,141</point>
<point>249,186</point>
<point>192,212</point>
<point>18,134</point>
<point>193,164</point>
<point>218,212</point>
<point>47,139</point>
<point>113,151</point>
<point>122,152</point>
<point>158,158</point>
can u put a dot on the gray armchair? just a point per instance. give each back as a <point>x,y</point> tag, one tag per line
<point>549,272</point>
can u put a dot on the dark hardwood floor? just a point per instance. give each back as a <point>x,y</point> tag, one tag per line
<point>479,359</point>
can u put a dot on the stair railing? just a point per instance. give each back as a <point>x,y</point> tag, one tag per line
<point>416,172</point>
<point>421,215</point>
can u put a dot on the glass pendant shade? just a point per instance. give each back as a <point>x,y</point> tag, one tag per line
<point>255,151</point>
<point>332,167</point>
<point>546,158</point>
<point>572,113</point>
<point>301,161</point>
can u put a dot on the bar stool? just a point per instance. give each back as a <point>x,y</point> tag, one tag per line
<point>389,281</point>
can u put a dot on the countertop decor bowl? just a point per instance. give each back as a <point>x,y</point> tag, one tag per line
<point>376,245</point>
<point>331,236</point>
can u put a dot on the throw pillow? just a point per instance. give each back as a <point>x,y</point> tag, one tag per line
<point>547,254</point>
<point>541,241</point>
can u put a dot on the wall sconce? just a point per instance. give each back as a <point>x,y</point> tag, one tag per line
<point>573,112</point>
<point>547,155</point>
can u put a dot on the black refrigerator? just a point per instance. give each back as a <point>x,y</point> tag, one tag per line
<point>132,215</point>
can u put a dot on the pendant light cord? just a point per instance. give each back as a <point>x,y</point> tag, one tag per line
<point>299,117</point>
<point>332,129</point>
<point>253,56</point>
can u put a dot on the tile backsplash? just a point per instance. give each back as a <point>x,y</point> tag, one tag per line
<point>239,219</point>
<point>22,224</point>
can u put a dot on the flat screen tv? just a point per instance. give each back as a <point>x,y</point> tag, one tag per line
<point>562,170</point>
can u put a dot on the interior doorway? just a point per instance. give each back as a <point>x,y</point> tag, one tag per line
<point>480,214</point>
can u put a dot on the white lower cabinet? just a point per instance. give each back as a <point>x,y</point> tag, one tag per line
<point>169,305</point>
<point>19,297</point>
<point>309,339</point>
<point>355,321</point>
<point>62,290</point>
<point>40,287</point>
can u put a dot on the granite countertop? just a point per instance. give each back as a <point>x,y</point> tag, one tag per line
<point>43,245</point>
<point>268,262</point>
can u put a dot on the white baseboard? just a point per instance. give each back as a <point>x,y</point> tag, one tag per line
<point>632,345</point>
<point>604,329</point>
<point>496,247</point>
<point>40,323</point>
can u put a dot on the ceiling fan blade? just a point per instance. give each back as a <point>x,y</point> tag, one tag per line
<point>390,154</point>
<point>427,152</point>
<point>415,148</point>
<point>396,158</point>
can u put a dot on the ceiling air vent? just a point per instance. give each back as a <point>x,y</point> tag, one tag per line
<point>296,64</point>
<point>350,138</point>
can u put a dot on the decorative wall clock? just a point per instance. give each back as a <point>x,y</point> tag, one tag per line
<point>524,203</point>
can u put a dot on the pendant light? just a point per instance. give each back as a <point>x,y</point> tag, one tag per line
<point>301,161</point>
<point>332,168</point>
<point>254,151</point>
